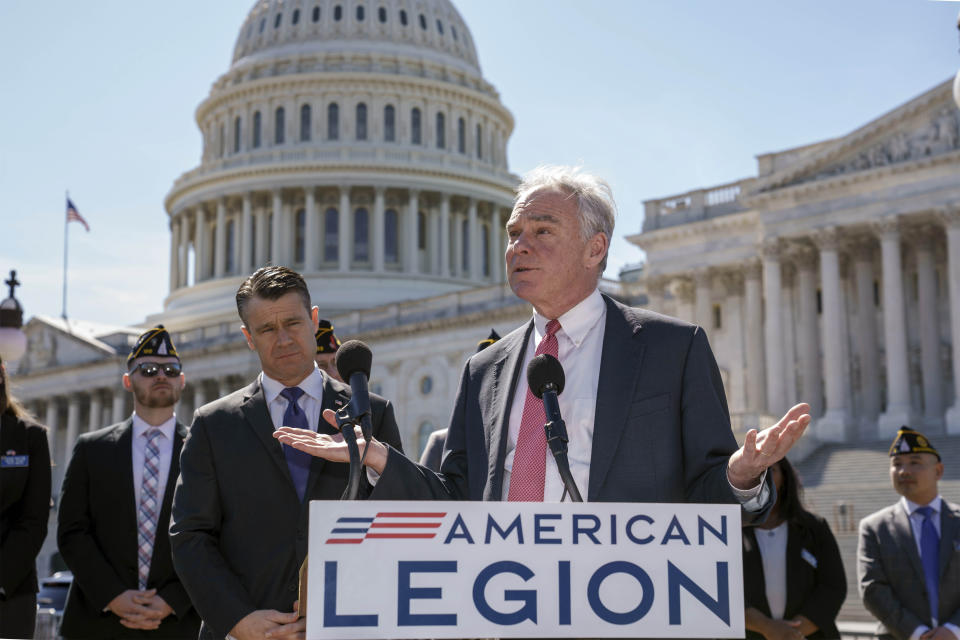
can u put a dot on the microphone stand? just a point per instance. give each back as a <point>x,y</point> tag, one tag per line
<point>556,432</point>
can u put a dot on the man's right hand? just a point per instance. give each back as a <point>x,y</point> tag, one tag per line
<point>256,624</point>
<point>132,614</point>
<point>782,630</point>
<point>332,447</point>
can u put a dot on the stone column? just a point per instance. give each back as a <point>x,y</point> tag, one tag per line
<point>344,227</point>
<point>474,246</point>
<point>683,291</point>
<point>756,374</point>
<point>310,234</point>
<point>182,276</point>
<point>951,218</point>
<point>834,423</point>
<point>808,343</point>
<point>866,333</point>
<point>456,247</point>
<point>412,235</point>
<point>929,331</point>
<point>174,253</point>
<point>199,245</point>
<point>899,412</point>
<point>702,281</point>
<point>377,231</point>
<point>732,282</point>
<point>496,251</point>
<point>655,289</point>
<point>225,387</point>
<point>73,425</point>
<point>277,254</point>
<point>243,237</point>
<point>119,403</point>
<point>50,420</point>
<point>263,247</point>
<point>95,417</point>
<point>433,241</point>
<point>773,329</point>
<point>444,235</point>
<point>220,250</point>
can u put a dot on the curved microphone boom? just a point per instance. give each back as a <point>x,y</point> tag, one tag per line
<point>546,380</point>
<point>354,360</point>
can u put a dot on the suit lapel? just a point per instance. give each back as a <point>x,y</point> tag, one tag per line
<point>123,441</point>
<point>506,376</point>
<point>949,534</point>
<point>257,415</point>
<point>794,547</point>
<point>620,363</point>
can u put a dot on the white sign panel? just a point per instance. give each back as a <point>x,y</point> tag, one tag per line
<point>510,569</point>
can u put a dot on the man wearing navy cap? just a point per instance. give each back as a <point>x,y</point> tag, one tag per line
<point>115,510</point>
<point>327,346</point>
<point>909,554</point>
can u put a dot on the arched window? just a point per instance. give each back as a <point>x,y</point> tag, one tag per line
<point>256,129</point>
<point>299,236</point>
<point>331,235</point>
<point>461,135</point>
<point>416,136</point>
<point>231,242</point>
<point>391,239</point>
<point>296,16</point>
<point>382,13</point>
<point>337,13</point>
<point>403,17</point>
<point>361,235</point>
<point>237,133</point>
<point>279,125</point>
<point>316,14</point>
<point>421,230</point>
<point>485,249</point>
<point>479,141</point>
<point>441,131</point>
<point>333,121</point>
<point>465,240</point>
<point>439,26</point>
<point>263,23</point>
<point>453,30</point>
<point>277,21</point>
<point>360,13</point>
<point>389,123</point>
<point>423,22</point>
<point>305,118</point>
<point>361,121</point>
<point>222,141</point>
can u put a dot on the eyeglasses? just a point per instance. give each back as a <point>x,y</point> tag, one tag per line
<point>150,369</point>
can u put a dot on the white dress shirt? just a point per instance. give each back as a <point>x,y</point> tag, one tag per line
<point>772,544</point>
<point>138,451</point>
<point>310,402</point>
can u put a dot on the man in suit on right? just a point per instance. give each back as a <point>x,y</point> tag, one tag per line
<point>909,554</point>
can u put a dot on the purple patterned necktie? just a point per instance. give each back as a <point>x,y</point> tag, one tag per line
<point>297,461</point>
<point>149,507</point>
<point>930,558</point>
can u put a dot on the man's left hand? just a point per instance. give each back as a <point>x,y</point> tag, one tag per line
<point>156,604</point>
<point>761,450</point>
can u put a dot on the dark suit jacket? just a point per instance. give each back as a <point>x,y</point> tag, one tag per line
<point>24,503</point>
<point>661,427</point>
<point>97,536</point>
<point>239,531</point>
<point>433,452</point>
<point>815,592</point>
<point>891,574</point>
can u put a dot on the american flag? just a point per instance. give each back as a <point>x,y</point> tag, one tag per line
<point>386,525</point>
<point>74,216</point>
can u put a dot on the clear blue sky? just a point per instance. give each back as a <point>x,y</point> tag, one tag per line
<point>658,96</point>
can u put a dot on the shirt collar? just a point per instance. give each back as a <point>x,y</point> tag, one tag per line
<point>577,322</point>
<point>312,385</point>
<point>912,507</point>
<point>140,426</point>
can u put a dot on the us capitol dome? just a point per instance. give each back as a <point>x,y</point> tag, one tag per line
<point>355,141</point>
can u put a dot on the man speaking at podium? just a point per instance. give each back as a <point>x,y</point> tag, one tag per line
<point>643,402</point>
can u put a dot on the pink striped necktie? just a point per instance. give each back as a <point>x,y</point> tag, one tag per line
<point>530,456</point>
<point>149,509</point>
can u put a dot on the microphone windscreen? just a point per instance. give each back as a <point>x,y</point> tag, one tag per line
<point>354,356</point>
<point>542,371</point>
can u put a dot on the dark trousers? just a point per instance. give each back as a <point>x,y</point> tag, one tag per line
<point>18,615</point>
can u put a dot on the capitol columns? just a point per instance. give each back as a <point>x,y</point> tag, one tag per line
<point>343,230</point>
<point>473,241</point>
<point>220,250</point>
<point>655,290</point>
<point>899,411</point>
<point>773,328</point>
<point>496,251</point>
<point>732,281</point>
<point>73,424</point>
<point>174,253</point>
<point>262,248</point>
<point>411,253</point>
<point>703,279</point>
<point>444,235</point>
<point>832,426</point>
<point>50,420</point>
<point>95,415</point>
<point>929,333</point>
<point>866,332</point>
<point>310,234</point>
<point>377,230</point>
<point>277,256</point>
<point>243,237</point>
<point>182,277</point>
<point>808,343</point>
<point>753,307</point>
<point>119,403</point>
<point>199,244</point>
<point>951,219</point>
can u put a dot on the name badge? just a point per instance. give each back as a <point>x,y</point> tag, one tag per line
<point>13,462</point>
<point>809,557</point>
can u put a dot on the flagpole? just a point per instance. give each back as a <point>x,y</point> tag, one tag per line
<point>66,229</point>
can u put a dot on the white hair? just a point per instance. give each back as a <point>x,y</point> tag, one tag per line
<point>595,202</point>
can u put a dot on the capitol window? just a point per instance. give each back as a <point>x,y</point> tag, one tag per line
<point>256,129</point>
<point>423,22</point>
<point>461,135</point>
<point>263,23</point>
<point>426,385</point>
<point>479,141</point>
<point>305,117</point>
<point>316,14</point>
<point>391,241</point>
<point>441,131</point>
<point>389,123</point>
<point>465,240</point>
<point>453,30</point>
<point>279,124</point>
<point>485,248</point>
<point>421,230</point>
<point>382,13</point>
<point>361,235</point>
<point>439,26</point>
<point>296,16</point>
<point>361,121</point>
<point>331,235</point>
<point>360,13</point>
<point>416,137</point>
<point>237,132</point>
<point>403,17</point>
<point>277,21</point>
<point>333,121</point>
<point>337,13</point>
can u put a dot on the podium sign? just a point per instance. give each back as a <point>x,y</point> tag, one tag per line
<point>509,569</point>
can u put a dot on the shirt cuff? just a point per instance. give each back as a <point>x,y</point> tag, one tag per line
<point>755,498</point>
<point>919,631</point>
<point>954,629</point>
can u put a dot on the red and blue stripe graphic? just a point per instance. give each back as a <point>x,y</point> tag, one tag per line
<point>386,525</point>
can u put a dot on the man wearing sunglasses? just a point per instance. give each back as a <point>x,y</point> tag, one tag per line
<point>115,510</point>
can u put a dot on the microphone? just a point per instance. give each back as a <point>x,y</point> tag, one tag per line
<point>354,360</point>
<point>546,380</point>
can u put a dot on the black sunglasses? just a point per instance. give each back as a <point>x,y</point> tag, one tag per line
<point>150,369</point>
